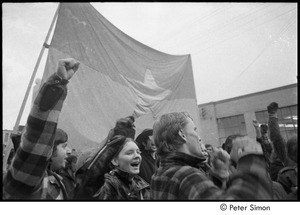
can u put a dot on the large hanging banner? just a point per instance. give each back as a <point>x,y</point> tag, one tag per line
<point>118,77</point>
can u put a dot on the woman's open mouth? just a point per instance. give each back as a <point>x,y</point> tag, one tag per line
<point>135,164</point>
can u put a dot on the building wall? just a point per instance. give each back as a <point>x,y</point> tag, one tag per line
<point>246,105</point>
<point>6,137</point>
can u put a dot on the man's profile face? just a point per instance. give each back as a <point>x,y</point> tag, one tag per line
<point>195,146</point>
<point>149,144</point>
<point>59,160</point>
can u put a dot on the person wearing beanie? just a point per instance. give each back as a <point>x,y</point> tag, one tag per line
<point>42,148</point>
<point>96,180</point>
<point>149,157</point>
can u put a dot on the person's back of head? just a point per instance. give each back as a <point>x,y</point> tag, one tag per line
<point>166,132</point>
<point>292,148</point>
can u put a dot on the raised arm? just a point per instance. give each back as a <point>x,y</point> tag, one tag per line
<point>29,165</point>
<point>256,127</point>
<point>279,143</point>
<point>91,176</point>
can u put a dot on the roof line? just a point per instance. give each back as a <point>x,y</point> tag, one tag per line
<point>251,94</point>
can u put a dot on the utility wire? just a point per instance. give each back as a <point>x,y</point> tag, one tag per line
<point>181,30</point>
<point>238,34</point>
<point>281,32</point>
<point>208,33</point>
<point>213,34</point>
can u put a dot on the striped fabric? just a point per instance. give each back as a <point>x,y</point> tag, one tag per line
<point>179,178</point>
<point>27,177</point>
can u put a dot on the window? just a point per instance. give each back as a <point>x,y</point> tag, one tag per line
<point>287,119</point>
<point>231,125</point>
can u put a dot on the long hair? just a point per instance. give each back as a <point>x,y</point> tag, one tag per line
<point>166,132</point>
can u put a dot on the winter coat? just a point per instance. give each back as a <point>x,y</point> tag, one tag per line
<point>179,178</point>
<point>69,181</point>
<point>120,186</point>
<point>28,177</point>
<point>148,166</point>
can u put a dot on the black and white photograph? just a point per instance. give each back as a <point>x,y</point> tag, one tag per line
<point>151,102</point>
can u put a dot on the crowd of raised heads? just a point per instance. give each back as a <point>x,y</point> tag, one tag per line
<point>167,161</point>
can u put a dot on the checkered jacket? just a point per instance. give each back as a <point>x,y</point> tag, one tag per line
<point>28,176</point>
<point>179,178</point>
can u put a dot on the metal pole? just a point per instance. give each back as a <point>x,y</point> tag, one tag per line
<point>34,72</point>
<point>16,127</point>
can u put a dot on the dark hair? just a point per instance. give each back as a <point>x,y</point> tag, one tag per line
<point>70,160</point>
<point>264,128</point>
<point>227,146</point>
<point>208,145</point>
<point>16,139</point>
<point>60,137</point>
<point>143,137</point>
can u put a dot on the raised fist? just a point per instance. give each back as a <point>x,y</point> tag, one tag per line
<point>125,127</point>
<point>272,108</point>
<point>67,68</point>
<point>116,141</point>
<point>220,160</point>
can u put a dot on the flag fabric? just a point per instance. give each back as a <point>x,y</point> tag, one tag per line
<point>118,77</point>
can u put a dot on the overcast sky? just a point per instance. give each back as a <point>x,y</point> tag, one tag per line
<point>236,48</point>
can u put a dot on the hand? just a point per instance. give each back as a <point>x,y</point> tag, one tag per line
<point>116,142</point>
<point>125,127</point>
<point>272,108</point>
<point>110,148</point>
<point>242,146</point>
<point>220,160</point>
<point>255,123</point>
<point>67,68</point>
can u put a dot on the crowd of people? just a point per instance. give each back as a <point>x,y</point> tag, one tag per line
<point>166,162</point>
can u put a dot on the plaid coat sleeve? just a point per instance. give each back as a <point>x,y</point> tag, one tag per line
<point>29,165</point>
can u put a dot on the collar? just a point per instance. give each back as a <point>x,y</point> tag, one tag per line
<point>52,176</point>
<point>122,174</point>
<point>180,158</point>
<point>126,177</point>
